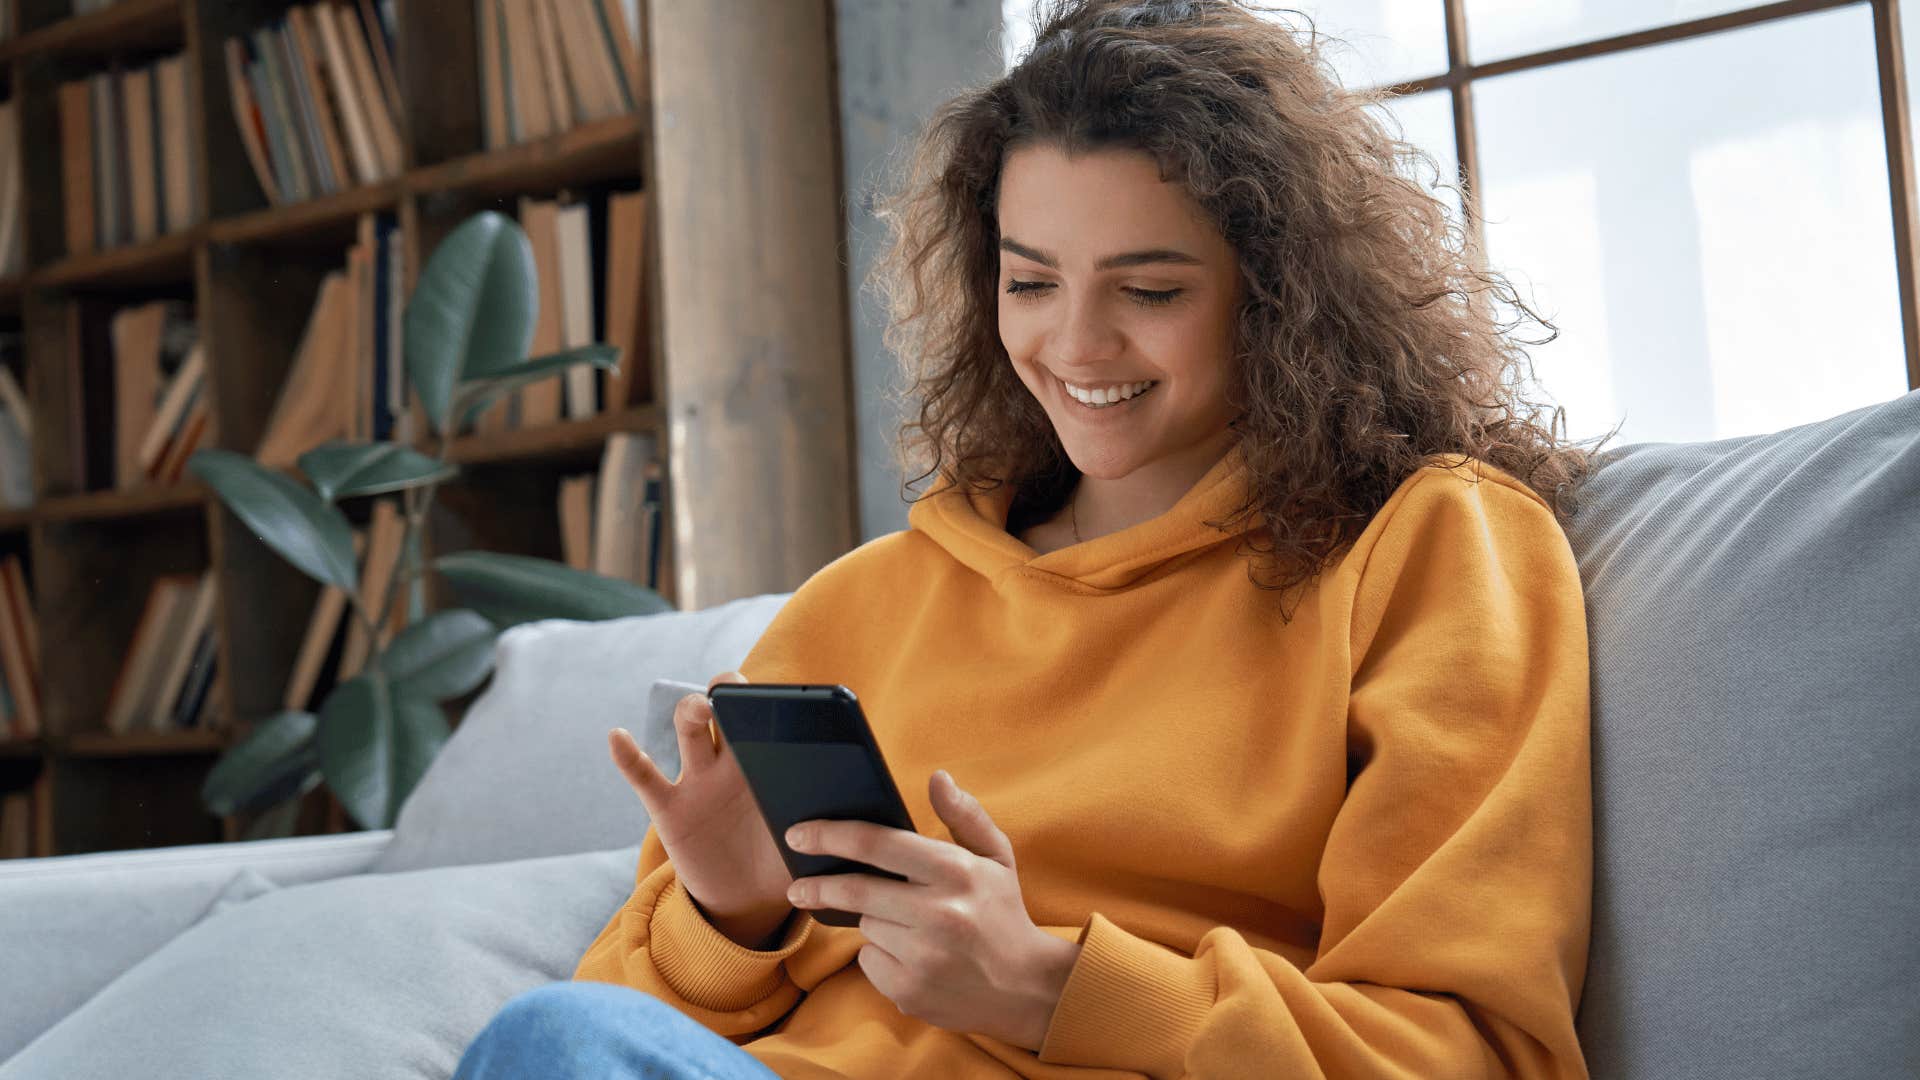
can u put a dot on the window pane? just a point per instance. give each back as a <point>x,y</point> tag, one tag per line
<point>1379,42</point>
<point>1497,29</point>
<point>1707,223</point>
<point>1426,121</point>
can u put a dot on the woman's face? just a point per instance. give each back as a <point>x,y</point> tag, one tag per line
<point>1111,277</point>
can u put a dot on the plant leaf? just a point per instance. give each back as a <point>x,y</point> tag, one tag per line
<point>339,470</point>
<point>375,743</point>
<point>277,761</point>
<point>512,589</point>
<point>475,395</point>
<point>307,531</point>
<point>472,314</point>
<point>442,656</point>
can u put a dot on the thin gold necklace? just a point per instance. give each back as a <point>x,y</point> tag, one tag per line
<point>1074,515</point>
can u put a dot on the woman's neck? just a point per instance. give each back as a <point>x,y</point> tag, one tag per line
<point>1097,507</point>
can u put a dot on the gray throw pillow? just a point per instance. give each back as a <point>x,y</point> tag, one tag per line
<point>387,975</point>
<point>1756,704</point>
<point>527,772</point>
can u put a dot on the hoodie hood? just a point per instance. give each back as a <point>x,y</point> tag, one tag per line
<point>972,527</point>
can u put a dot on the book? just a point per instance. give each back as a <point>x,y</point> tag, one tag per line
<point>143,172</point>
<point>380,114</point>
<point>385,535</point>
<point>493,112</point>
<point>619,544</point>
<point>590,66</point>
<point>172,411</point>
<point>316,91</point>
<point>168,605</point>
<point>576,521</point>
<point>314,398</point>
<point>179,175</point>
<point>553,69</point>
<point>196,693</point>
<point>542,403</point>
<point>576,305</point>
<point>18,650</point>
<point>184,648</point>
<point>626,297</point>
<point>195,433</point>
<point>247,117</point>
<point>283,141</point>
<point>136,384</point>
<point>12,195</point>
<point>75,100</point>
<point>533,116</point>
<point>352,111</point>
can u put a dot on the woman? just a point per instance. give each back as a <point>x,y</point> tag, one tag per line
<point>1239,640</point>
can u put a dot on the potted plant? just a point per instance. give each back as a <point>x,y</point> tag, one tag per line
<point>466,333</point>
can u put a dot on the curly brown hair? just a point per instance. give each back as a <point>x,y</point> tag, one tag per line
<point>1364,345</point>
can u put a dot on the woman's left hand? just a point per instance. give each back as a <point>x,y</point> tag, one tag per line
<point>953,944</point>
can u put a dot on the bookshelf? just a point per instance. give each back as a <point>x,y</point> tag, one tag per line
<point>250,271</point>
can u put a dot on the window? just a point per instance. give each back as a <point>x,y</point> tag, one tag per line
<point>1704,215</point>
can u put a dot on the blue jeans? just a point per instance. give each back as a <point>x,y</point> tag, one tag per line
<point>600,1030</point>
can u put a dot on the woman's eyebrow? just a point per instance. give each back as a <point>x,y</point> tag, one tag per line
<point>1111,262</point>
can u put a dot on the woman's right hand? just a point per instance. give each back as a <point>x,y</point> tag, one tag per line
<point>709,824</point>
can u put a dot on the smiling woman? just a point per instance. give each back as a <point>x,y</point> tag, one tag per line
<point>1164,301</point>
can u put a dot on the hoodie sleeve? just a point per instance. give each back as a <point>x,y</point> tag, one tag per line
<point>1457,873</point>
<point>660,942</point>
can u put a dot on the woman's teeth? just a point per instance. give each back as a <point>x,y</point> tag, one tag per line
<point>1107,398</point>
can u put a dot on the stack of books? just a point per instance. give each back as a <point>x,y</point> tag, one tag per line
<point>161,407</point>
<point>166,680</point>
<point>610,520</point>
<point>347,380</point>
<point>13,246</point>
<point>124,138</point>
<point>316,100</point>
<point>570,242</point>
<point>549,65</point>
<point>19,654</point>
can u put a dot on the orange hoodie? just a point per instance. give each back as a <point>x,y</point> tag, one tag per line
<point>1356,845</point>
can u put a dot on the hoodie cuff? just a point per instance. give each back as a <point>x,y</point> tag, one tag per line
<point>708,968</point>
<point>1130,1003</point>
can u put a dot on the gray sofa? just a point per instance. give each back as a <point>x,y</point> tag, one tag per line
<point>1756,664</point>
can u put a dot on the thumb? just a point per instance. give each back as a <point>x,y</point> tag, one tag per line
<point>968,821</point>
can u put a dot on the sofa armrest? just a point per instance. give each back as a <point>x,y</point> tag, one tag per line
<point>71,924</point>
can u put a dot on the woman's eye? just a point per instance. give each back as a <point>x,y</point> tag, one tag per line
<point>1143,297</point>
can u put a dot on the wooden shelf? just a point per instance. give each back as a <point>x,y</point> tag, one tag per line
<point>322,217</point>
<point>107,505</point>
<point>166,260</point>
<point>126,26</point>
<point>572,437</point>
<point>21,748</point>
<point>106,744</point>
<point>601,150</point>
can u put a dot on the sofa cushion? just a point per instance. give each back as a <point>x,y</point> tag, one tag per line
<point>71,924</point>
<point>387,975</point>
<point>527,772</point>
<point>1756,684</point>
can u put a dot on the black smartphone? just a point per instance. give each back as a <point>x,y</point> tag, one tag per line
<point>808,754</point>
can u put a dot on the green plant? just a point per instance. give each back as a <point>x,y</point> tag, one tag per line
<point>467,329</point>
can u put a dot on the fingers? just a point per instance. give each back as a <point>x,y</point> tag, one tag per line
<point>638,768</point>
<point>693,727</point>
<point>726,676</point>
